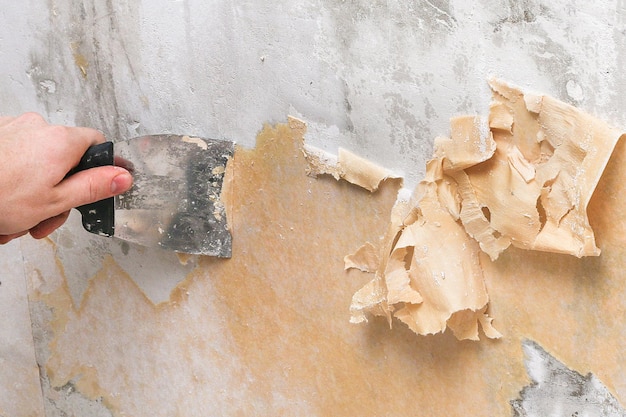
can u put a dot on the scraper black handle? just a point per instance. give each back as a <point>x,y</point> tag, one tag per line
<point>98,217</point>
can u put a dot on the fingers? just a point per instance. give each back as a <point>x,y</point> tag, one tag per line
<point>7,238</point>
<point>28,120</point>
<point>40,231</point>
<point>38,158</point>
<point>124,163</point>
<point>92,185</point>
<point>83,137</point>
<point>70,141</point>
<point>48,226</point>
<point>84,187</point>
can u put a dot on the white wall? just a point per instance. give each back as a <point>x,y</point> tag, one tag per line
<point>381,78</point>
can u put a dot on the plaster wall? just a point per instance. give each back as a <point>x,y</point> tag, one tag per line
<point>380,78</point>
<point>367,75</point>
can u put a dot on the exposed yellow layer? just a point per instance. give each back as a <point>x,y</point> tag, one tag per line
<point>266,332</point>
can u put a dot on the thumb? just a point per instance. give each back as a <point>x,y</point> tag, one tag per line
<point>93,185</point>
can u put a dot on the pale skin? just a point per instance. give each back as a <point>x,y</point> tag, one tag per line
<point>35,195</point>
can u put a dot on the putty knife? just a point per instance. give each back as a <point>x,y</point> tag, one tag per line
<point>174,202</point>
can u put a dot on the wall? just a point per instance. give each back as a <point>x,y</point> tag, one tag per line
<point>123,330</point>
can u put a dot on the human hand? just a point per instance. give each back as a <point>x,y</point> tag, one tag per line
<point>35,196</point>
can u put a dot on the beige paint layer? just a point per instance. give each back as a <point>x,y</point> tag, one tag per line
<point>348,166</point>
<point>548,160</point>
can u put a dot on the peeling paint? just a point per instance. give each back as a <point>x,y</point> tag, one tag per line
<point>525,181</point>
<point>359,73</point>
<point>346,166</point>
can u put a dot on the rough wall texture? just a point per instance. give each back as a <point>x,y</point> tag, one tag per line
<point>379,78</point>
<point>365,74</point>
<point>20,392</point>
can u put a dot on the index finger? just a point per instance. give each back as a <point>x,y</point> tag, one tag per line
<point>85,136</point>
<point>76,140</point>
<point>64,146</point>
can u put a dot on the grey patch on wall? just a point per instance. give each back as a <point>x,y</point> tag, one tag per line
<point>557,390</point>
<point>427,20</point>
<point>562,40</point>
<point>405,127</point>
<point>64,401</point>
<point>519,12</point>
<point>524,23</point>
<point>619,36</point>
<point>75,63</point>
<point>68,401</point>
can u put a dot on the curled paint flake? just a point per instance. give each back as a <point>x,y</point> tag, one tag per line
<point>347,166</point>
<point>526,182</point>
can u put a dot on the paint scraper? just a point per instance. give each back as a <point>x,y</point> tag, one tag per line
<point>175,201</point>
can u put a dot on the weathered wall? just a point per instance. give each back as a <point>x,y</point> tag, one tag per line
<point>364,74</point>
<point>19,377</point>
<point>268,332</point>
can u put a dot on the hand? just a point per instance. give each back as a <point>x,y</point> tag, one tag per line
<point>35,196</point>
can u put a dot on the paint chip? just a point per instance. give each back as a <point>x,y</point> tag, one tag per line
<point>198,141</point>
<point>347,166</point>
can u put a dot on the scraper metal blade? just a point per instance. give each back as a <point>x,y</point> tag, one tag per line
<point>175,201</point>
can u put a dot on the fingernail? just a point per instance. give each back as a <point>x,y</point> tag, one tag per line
<point>121,183</point>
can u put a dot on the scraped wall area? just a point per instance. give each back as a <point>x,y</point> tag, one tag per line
<point>99,327</point>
